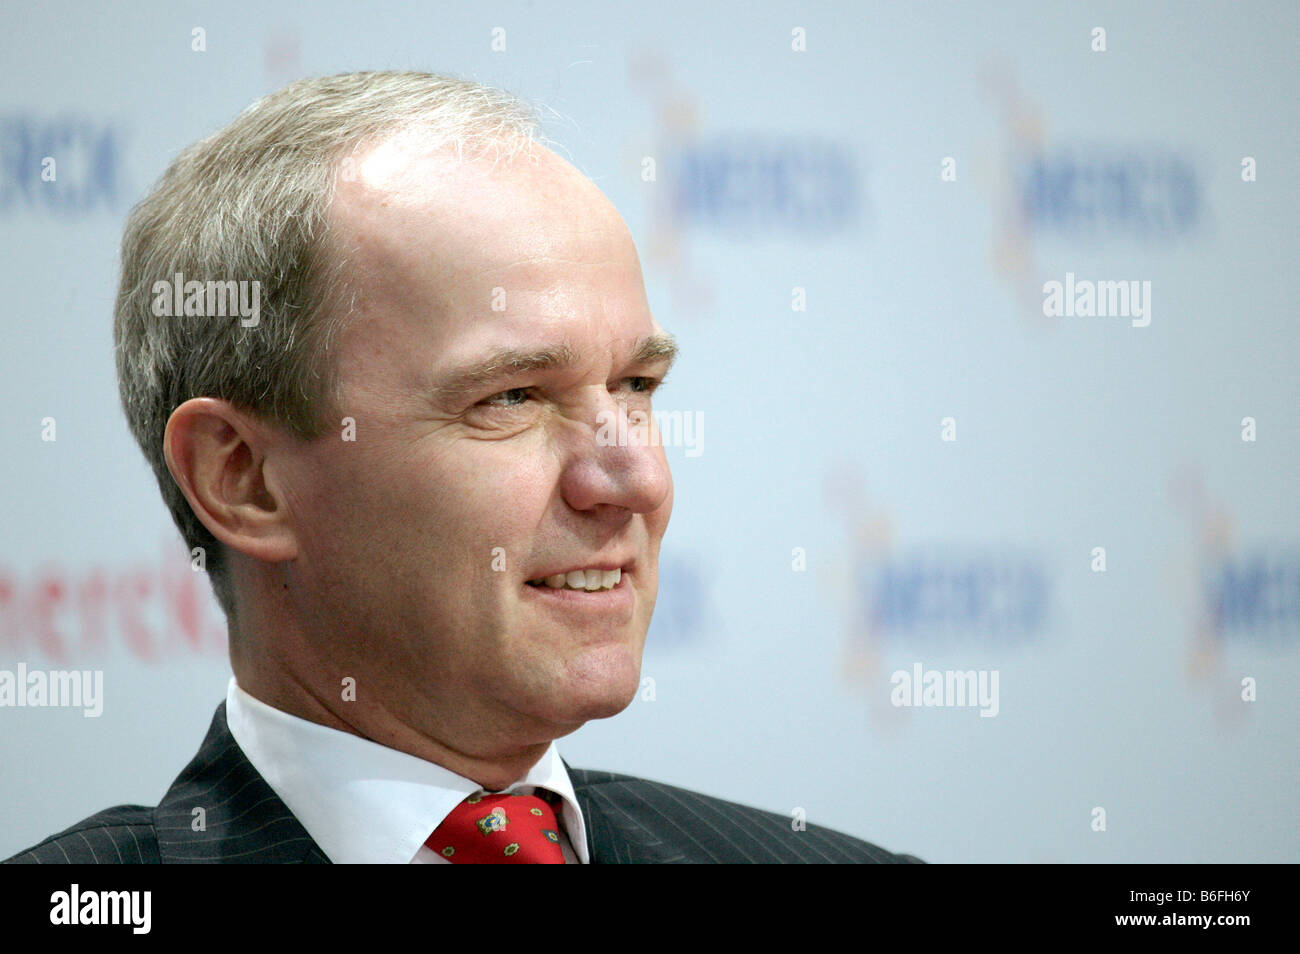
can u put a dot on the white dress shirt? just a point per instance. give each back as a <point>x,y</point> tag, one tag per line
<point>364,803</point>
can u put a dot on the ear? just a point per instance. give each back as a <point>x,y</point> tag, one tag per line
<point>217,455</point>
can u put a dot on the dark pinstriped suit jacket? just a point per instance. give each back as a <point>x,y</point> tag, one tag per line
<point>629,821</point>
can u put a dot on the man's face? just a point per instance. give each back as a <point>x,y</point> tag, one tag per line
<point>418,540</point>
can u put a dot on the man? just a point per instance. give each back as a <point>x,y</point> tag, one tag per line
<point>432,563</point>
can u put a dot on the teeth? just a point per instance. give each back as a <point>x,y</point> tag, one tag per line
<point>589,580</point>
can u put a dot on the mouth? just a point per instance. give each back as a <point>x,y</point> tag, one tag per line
<point>589,580</point>
<point>599,596</point>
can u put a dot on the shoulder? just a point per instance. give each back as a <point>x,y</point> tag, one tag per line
<point>121,835</point>
<point>710,829</point>
<point>218,810</point>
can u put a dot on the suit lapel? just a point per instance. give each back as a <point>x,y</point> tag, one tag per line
<point>614,835</point>
<point>221,810</point>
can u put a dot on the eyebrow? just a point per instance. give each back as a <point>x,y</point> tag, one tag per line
<point>508,362</point>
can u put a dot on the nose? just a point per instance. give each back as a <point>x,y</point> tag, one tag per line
<point>619,464</point>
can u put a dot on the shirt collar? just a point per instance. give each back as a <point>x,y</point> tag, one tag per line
<point>362,802</point>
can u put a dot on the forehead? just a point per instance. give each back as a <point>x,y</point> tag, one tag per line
<point>482,252</point>
<point>404,203</point>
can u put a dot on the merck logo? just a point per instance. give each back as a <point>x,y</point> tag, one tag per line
<point>999,598</point>
<point>1147,193</point>
<point>65,167</point>
<point>1255,596</point>
<point>752,182</point>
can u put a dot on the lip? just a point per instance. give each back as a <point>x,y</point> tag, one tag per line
<point>626,566</point>
<point>617,600</point>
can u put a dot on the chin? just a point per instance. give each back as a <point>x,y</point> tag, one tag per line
<point>597,687</point>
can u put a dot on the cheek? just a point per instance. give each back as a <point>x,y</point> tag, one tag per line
<point>321,499</point>
<point>360,508</point>
<point>472,517</point>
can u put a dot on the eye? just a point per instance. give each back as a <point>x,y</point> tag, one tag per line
<point>644,385</point>
<point>508,398</point>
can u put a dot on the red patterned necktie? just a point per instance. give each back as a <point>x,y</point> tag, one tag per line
<point>499,830</point>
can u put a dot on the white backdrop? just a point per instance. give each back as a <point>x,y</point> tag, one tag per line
<point>839,291</point>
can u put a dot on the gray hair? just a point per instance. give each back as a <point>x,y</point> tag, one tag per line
<point>250,203</point>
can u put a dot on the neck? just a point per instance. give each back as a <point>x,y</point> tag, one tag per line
<point>287,672</point>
